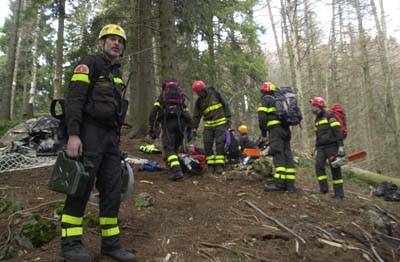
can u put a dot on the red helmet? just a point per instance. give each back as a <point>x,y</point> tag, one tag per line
<point>198,86</point>
<point>267,87</point>
<point>317,101</point>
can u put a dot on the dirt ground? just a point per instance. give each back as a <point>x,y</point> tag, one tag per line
<point>207,218</point>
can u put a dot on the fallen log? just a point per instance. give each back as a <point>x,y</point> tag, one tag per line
<point>370,177</point>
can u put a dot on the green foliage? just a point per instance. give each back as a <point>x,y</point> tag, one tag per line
<point>7,252</point>
<point>36,232</point>
<point>5,125</point>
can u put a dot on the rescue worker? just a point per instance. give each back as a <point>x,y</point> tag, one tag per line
<point>244,141</point>
<point>214,109</point>
<point>279,136</point>
<point>329,144</point>
<point>172,113</point>
<point>94,116</point>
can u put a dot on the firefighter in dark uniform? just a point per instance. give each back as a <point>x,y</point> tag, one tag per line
<point>279,136</point>
<point>175,121</point>
<point>328,145</point>
<point>93,115</point>
<point>214,109</point>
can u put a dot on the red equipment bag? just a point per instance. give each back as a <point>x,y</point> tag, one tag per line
<point>337,110</point>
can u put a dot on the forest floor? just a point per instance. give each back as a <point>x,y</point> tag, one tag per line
<point>210,218</point>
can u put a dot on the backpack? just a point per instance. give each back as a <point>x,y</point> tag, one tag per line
<point>172,96</point>
<point>337,111</point>
<point>286,106</point>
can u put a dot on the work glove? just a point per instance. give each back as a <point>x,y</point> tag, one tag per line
<point>152,134</point>
<point>341,151</point>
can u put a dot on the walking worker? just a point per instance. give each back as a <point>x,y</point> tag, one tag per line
<point>172,113</point>
<point>279,136</point>
<point>94,116</point>
<point>214,109</point>
<point>329,144</point>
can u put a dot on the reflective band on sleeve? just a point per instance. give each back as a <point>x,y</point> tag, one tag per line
<point>212,108</point>
<point>108,221</point>
<point>322,178</point>
<point>71,231</point>
<point>277,175</point>
<point>273,123</point>
<point>157,104</point>
<point>337,182</point>
<point>81,77</point>
<point>109,232</point>
<point>118,80</point>
<point>210,160</point>
<point>336,123</point>
<point>77,221</point>
<point>321,122</point>
<point>266,109</point>
<point>219,159</point>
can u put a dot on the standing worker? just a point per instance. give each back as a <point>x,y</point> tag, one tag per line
<point>329,144</point>
<point>279,140</point>
<point>214,109</point>
<point>93,115</point>
<point>171,112</point>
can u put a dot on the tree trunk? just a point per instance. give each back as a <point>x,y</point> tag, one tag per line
<point>367,87</point>
<point>333,63</point>
<point>282,63</point>
<point>167,40</point>
<point>145,89</point>
<point>289,45</point>
<point>15,76</point>
<point>29,106</point>
<point>59,51</point>
<point>5,107</point>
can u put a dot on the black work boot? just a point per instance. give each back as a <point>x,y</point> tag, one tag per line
<point>219,169</point>
<point>111,246</point>
<point>290,187</point>
<point>175,174</point>
<point>72,250</point>
<point>338,191</point>
<point>211,169</point>
<point>323,186</point>
<point>278,185</point>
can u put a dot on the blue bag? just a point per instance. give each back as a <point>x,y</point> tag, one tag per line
<point>152,166</point>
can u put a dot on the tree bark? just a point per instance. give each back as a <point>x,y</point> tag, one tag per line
<point>5,107</point>
<point>29,106</point>
<point>59,50</point>
<point>167,40</point>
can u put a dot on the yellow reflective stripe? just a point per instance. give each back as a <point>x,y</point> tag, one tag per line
<point>71,231</point>
<point>290,170</point>
<point>336,123</point>
<point>280,169</point>
<point>267,109</point>
<point>283,176</point>
<point>157,104</point>
<point>290,177</point>
<point>220,161</point>
<point>108,221</point>
<point>212,123</point>
<point>321,122</point>
<point>118,80</point>
<point>172,157</point>
<point>71,220</point>
<point>210,157</point>
<point>339,181</point>
<point>174,163</point>
<point>81,77</point>
<point>110,232</point>
<point>273,122</point>
<point>277,175</point>
<point>322,178</point>
<point>212,108</point>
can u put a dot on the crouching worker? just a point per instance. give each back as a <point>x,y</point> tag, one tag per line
<point>171,112</point>
<point>329,144</point>
<point>93,106</point>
